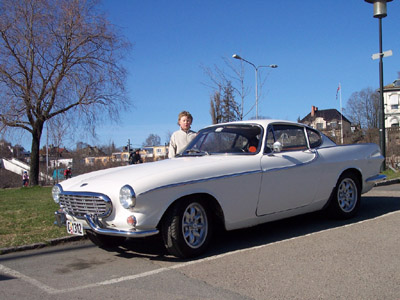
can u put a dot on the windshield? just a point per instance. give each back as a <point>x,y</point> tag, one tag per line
<point>236,139</point>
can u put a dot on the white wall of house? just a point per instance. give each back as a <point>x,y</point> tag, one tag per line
<point>61,162</point>
<point>391,98</point>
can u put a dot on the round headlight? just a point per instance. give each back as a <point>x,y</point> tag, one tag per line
<point>127,197</point>
<point>56,191</point>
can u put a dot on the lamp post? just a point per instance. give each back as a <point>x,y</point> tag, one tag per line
<point>256,73</point>
<point>380,12</point>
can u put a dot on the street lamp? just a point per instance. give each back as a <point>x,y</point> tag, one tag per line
<point>256,73</point>
<point>381,12</point>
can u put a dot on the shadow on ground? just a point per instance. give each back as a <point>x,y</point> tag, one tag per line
<point>223,242</point>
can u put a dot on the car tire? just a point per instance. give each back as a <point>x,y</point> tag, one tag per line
<point>187,228</point>
<point>104,241</point>
<point>346,197</point>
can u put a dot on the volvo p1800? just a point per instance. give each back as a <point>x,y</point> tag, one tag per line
<point>232,175</point>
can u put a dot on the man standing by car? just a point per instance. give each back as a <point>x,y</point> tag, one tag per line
<point>183,136</point>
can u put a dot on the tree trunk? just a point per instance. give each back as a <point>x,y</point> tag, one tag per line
<point>34,165</point>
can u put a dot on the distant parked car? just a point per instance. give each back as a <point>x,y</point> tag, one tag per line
<point>232,175</point>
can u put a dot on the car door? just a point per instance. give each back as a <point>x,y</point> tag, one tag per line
<point>290,172</point>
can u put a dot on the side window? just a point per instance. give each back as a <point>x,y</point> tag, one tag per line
<point>269,145</point>
<point>291,137</point>
<point>314,138</point>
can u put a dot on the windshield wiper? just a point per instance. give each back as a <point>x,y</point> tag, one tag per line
<point>196,151</point>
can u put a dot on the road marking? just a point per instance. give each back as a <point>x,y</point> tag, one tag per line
<point>53,291</point>
<point>28,279</point>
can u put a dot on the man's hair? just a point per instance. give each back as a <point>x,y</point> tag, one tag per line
<point>185,114</point>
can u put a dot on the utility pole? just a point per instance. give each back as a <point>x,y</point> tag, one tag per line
<point>129,146</point>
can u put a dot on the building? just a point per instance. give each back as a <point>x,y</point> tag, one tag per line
<point>60,163</point>
<point>160,152</point>
<point>328,121</point>
<point>90,151</point>
<point>120,156</point>
<point>154,153</point>
<point>92,160</point>
<point>147,154</point>
<point>391,99</point>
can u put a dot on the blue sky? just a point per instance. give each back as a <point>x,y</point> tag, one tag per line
<point>316,44</point>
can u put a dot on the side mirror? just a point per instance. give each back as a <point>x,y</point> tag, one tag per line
<point>277,147</point>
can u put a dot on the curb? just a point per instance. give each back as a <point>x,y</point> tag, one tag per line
<point>52,242</point>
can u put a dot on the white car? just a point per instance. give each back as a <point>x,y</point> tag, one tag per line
<point>232,175</point>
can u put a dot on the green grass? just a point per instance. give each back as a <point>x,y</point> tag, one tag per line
<point>27,216</point>
<point>390,174</point>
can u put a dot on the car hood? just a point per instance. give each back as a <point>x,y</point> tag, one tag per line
<point>147,176</point>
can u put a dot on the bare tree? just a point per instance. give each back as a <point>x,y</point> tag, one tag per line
<point>215,108</point>
<point>230,108</point>
<point>168,136</point>
<point>58,57</point>
<point>109,148</point>
<point>220,80</point>
<point>363,108</point>
<point>57,129</point>
<point>152,140</point>
<point>239,87</point>
<point>223,107</point>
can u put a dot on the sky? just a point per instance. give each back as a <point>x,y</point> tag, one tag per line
<point>316,45</point>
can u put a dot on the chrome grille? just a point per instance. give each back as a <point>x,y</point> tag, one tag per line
<point>78,204</point>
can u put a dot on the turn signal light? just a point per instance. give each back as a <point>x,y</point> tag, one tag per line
<point>131,220</point>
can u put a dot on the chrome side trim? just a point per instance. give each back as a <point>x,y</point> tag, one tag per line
<point>378,177</point>
<point>282,211</point>
<point>201,180</point>
<point>96,226</point>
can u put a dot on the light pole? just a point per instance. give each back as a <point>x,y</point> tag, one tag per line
<point>256,73</point>
<point>381,12</point>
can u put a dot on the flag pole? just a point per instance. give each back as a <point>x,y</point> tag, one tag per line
<point>341,113</point>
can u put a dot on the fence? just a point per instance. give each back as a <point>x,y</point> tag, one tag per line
<point>393,147</point>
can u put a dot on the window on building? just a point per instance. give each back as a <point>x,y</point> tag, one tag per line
<point>394,101</point>
<point>320,126</point>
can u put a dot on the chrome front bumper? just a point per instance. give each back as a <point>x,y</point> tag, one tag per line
<point>96,226</point>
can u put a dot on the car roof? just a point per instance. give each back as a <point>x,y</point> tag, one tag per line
<point>262,122</point>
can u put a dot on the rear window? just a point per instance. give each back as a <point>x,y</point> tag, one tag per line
<point>314,138</point>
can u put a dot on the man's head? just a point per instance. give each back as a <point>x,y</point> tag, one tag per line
<point>185,120</point>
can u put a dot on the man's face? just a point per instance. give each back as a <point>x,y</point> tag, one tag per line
<point>184,123</point>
